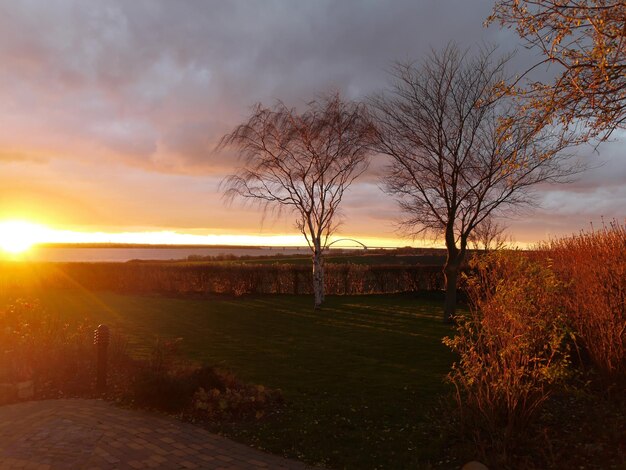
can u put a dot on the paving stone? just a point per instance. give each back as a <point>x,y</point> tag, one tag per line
<point>94,434</point>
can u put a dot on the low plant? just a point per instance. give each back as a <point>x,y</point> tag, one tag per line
<point>232,400</point>
<point>166,382</point>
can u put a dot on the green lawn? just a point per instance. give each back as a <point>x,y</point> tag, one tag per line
<point>358,376</point>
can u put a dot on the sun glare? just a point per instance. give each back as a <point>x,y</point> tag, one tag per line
<point>18,236</point>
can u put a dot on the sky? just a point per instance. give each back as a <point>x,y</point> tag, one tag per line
<point>110,112</point>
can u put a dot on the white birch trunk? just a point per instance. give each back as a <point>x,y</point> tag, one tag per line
<point>318,276</point>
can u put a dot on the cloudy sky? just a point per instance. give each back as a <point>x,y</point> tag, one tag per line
<point>110,110</point>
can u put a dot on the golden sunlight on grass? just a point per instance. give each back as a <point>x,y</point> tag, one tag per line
<point>17,236</point>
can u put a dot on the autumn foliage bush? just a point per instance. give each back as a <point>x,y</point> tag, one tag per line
<point>512,346</point>
<point>592,266</point>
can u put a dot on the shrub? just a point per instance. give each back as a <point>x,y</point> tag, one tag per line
<point>511,345</point>
<point>593,268</point>
<point>228,399</point>
<point>38,346</point>
<point>201,394</point>
<point>168,383</point>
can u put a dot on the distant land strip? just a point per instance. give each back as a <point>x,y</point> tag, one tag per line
<point>155,246</point>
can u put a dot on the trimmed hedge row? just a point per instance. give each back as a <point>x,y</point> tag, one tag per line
<point>231,279</point>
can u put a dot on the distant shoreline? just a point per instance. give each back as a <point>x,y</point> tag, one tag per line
<point>219,247</point>
<point>151,246</point>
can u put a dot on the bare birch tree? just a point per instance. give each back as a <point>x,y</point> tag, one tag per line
<point>302,162</point>
<point>459,150</point>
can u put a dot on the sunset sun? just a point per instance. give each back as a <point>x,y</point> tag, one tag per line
<point>18,236</point>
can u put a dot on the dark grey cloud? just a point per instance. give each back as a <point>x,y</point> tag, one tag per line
<point>157,82</point>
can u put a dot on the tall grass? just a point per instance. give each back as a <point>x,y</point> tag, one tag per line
<point>592,266</point>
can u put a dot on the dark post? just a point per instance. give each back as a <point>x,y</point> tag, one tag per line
<point>101,341</point>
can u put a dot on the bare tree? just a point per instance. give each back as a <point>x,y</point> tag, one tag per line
<point>303,162</point>
<point>586,41</point>
<point>488,235</point>
<point>459,150</point>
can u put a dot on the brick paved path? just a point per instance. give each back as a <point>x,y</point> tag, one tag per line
<point>93,434</point>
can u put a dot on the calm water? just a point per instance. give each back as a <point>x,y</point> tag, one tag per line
<point>127,254</point>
